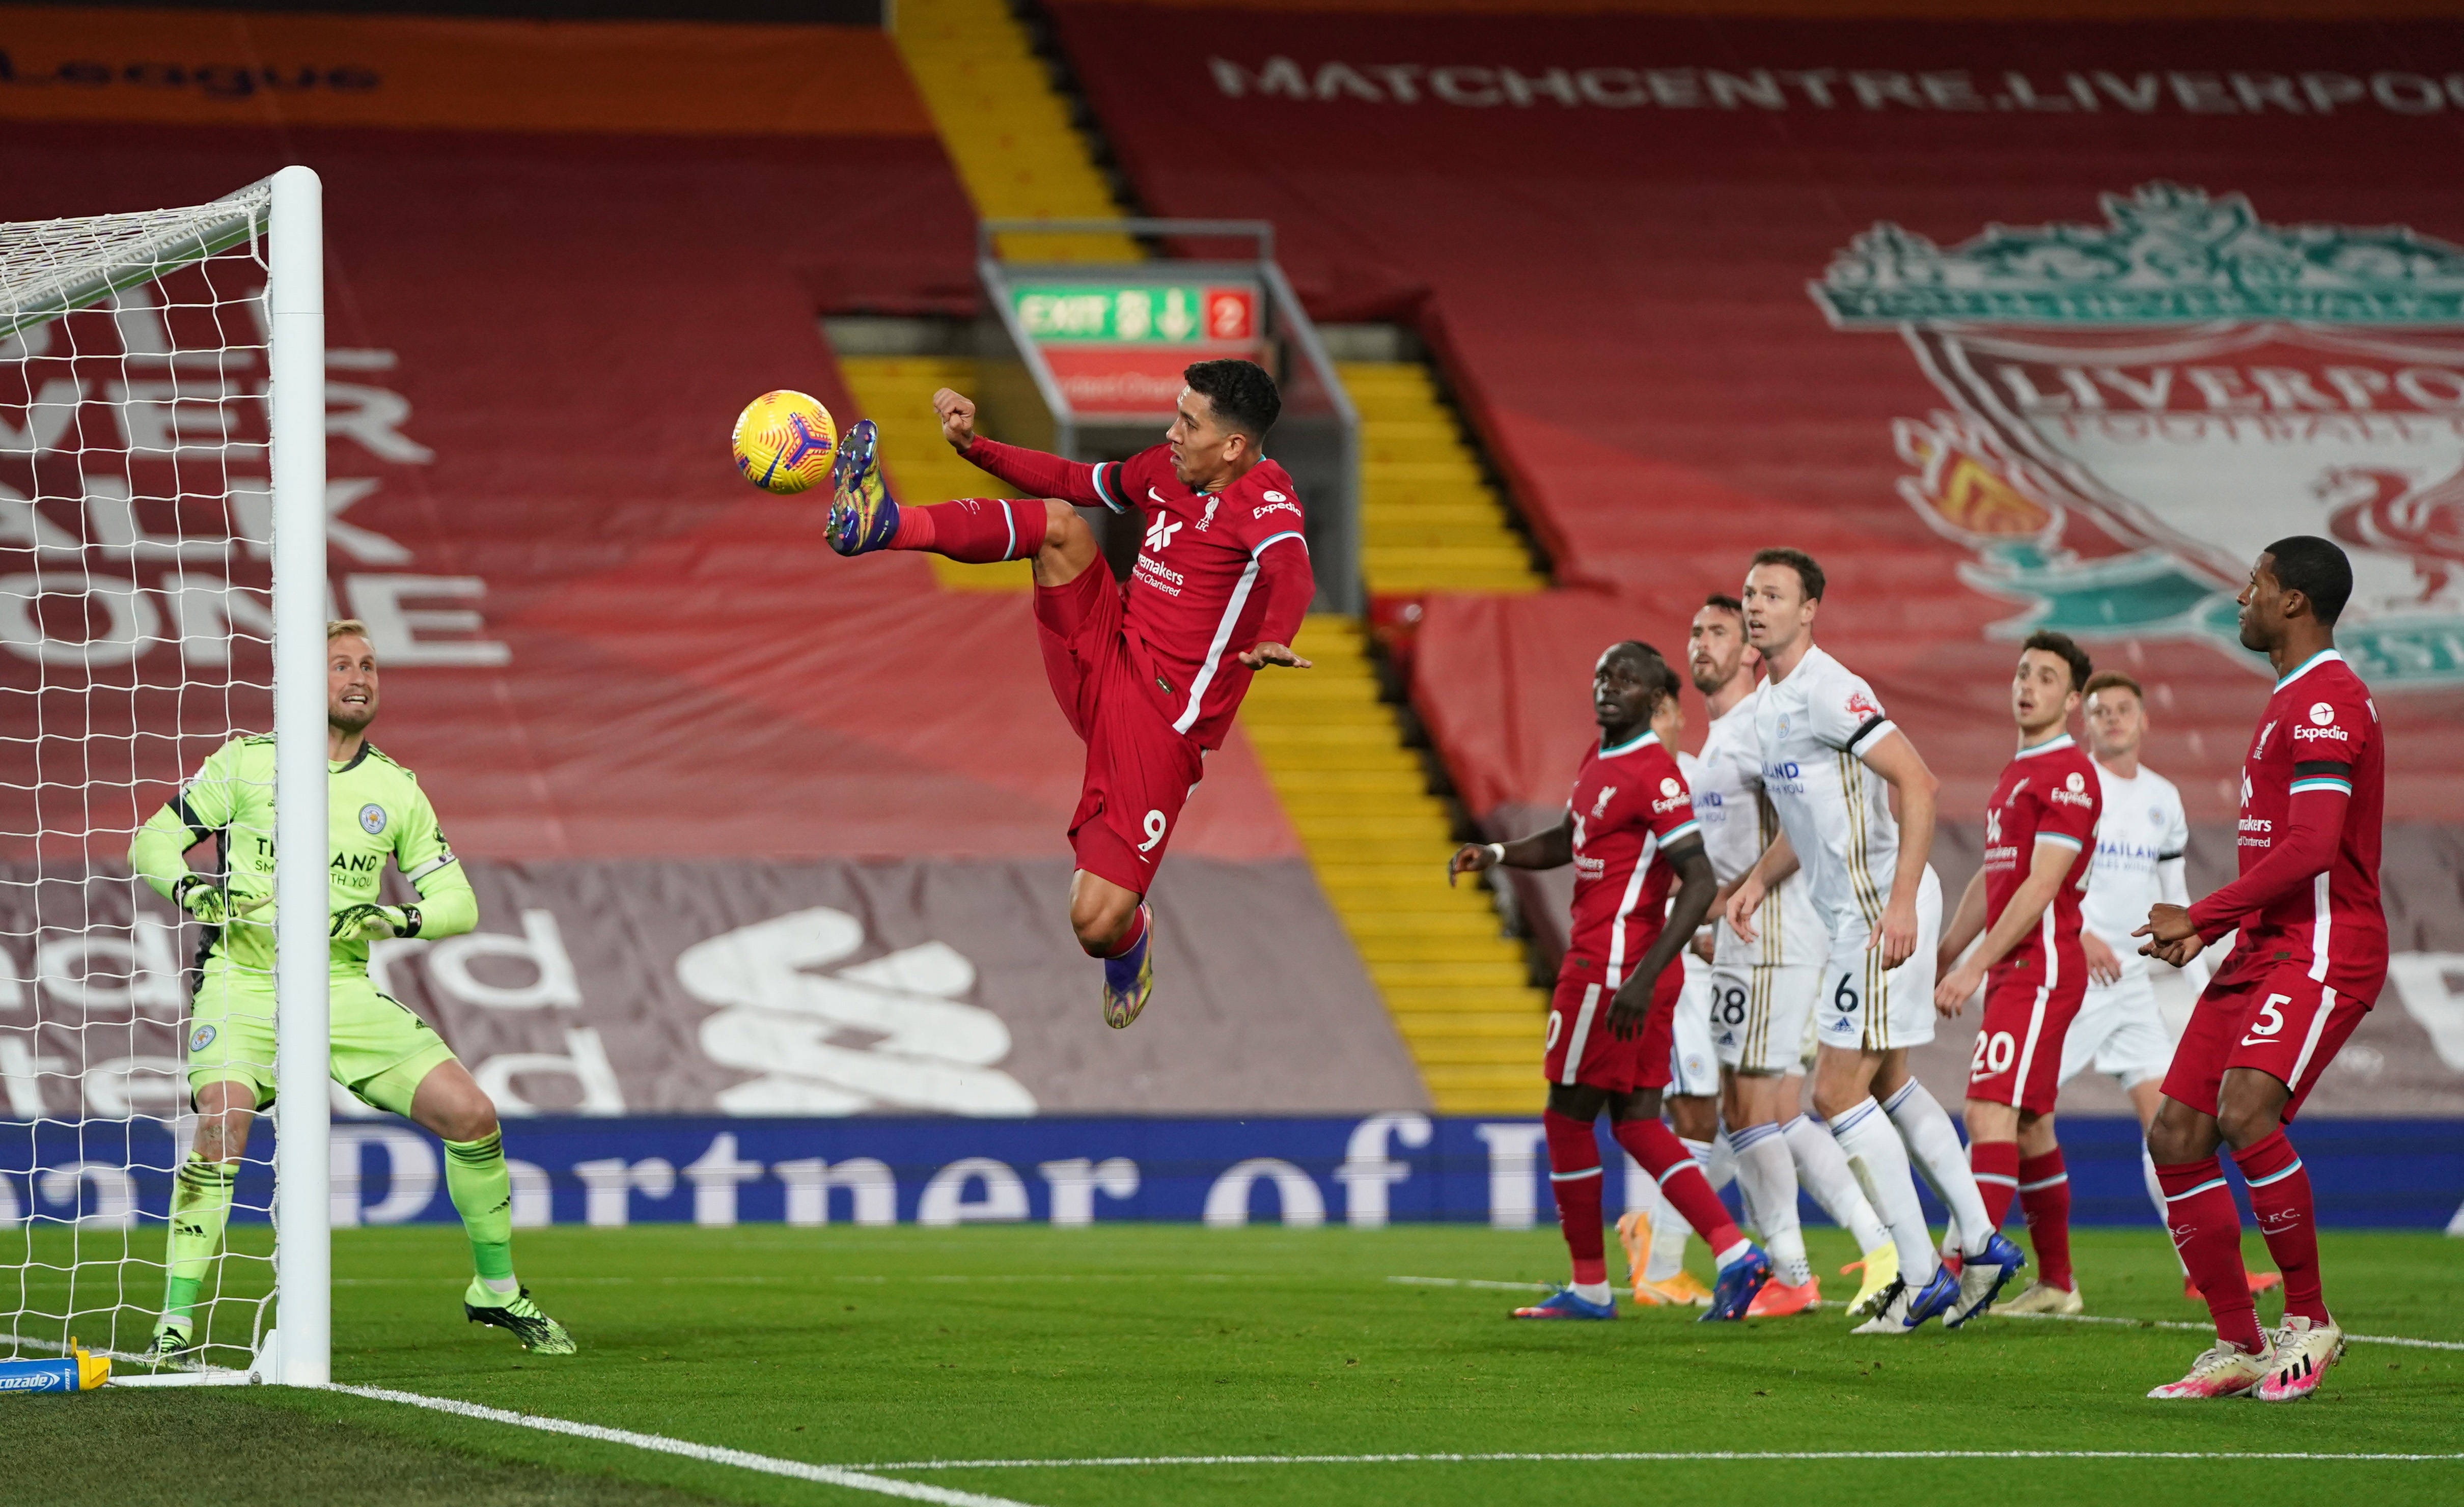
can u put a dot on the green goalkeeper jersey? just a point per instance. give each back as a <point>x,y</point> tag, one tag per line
<point>376,812</point>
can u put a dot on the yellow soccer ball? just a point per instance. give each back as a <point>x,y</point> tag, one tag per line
<point>785,442</point>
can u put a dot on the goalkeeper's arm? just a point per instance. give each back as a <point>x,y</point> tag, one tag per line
<point>446,908</point>
<point>160,856</point>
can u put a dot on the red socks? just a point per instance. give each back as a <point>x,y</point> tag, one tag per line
<point>1995,1165</point>
<point>1130,938</point>
<point>2045,1197</point>
<point>2279,1194</point>
<point>1680,1180</point>
<point>975,530</point>
<point>2207,1232</point>
<point>1575,1180</point>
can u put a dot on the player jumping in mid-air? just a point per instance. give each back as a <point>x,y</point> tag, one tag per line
<point>1628,828</point>
<point>1763,992</point>
<point>1149,674</point>
<point>2140,842</point>
<point>382,1053</point>
<point>2309,963</point>
<point>2041,828</point>
<point>1829,754</point>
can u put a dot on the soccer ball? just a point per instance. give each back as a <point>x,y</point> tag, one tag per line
<point>784,442</point>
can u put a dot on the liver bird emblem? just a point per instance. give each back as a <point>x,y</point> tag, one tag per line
<point>2387,509</point>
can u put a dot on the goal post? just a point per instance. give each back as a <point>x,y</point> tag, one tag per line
<point>162,589</point>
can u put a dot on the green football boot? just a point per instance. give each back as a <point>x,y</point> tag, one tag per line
<point>540,1334</point>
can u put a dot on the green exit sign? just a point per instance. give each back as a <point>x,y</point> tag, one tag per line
<point>1149,314</point>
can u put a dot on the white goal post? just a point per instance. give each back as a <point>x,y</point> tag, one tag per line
<point>137,487</point>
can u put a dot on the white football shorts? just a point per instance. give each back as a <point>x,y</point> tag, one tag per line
<point>2120,1031</point>
<point>1693,1068</point>
<point>1760,1012</point>
<point>1862,1006</point>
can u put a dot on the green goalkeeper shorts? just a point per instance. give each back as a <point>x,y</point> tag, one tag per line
<point>381,1050</point>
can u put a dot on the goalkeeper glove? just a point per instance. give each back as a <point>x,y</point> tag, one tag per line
<point>366,923</point>
<point>211,903</point>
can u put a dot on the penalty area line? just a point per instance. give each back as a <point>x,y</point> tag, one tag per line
<point>859,1478</point>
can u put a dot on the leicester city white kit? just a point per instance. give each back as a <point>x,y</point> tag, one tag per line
<point>2138,862</point>
<point>1762,992</point>
<point>1693,1064</point>
<point>1812,729</point>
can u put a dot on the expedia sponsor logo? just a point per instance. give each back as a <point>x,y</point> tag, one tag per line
<point>2073,796</point>
<point>1667,803</point>
<point>1277,503</point>
<point>2314,734</point>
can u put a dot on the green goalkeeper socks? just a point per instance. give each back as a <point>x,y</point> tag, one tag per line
<point>201,1196</point>
<point>483,1194</point>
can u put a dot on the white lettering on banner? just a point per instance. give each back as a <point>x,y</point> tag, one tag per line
<point>1227,1201</point>
<point>394,630</point>
<point>945,1200</point>
<point>115,1193</point>
<point>716,1175</point>
<point>113,969</point>
<point>120,1088</point>
<point>2432,986</point>
<point>108,620</point>
<point>1077,1180</point>
<point>410,1173</point>
<point>584,1061</point>
<point>533,1196</point>
<point>872,1193</point>
<point>22,1071</point>
<point>1367,1171</point>
<point>1932,91</point>
<point>1513,1172</point>
<point>608,1186</point>
<point>539,951</point>
<point>916,1046</point>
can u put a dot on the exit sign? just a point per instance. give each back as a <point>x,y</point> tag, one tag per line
<point>1084,314</point>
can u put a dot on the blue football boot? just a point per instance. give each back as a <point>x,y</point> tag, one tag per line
<point>1981,1277</point>
<point>1909,1307</point>
<point>1128,979</point>
<point>863,515</point>
<point>1566,1304</point>
<point>1739,1280</point>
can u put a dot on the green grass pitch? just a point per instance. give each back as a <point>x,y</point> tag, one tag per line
<point>866,1346</point>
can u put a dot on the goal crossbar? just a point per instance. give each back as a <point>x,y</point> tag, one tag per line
<point>134,249</point>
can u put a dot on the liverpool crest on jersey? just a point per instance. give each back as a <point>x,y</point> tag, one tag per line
<point>2139,407</point>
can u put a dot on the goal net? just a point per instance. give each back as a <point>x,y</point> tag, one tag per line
<point>162,590</point>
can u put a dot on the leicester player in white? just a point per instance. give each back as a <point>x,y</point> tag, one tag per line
<point>1831,761</point>
<point>1762,993</point>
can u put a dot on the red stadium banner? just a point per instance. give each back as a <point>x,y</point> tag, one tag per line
<point>2009,324</point>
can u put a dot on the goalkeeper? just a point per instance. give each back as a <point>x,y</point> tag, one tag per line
<point>382,1052</point>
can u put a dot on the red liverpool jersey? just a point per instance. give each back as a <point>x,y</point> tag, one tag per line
<point>1629,803</point>
<point>2312,801</point>
<point>2047,794</point>
<point>1217,572</point>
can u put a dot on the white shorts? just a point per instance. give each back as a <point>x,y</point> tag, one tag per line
<point>2121,1032</point>
<point>1846,1015</point>
<point>1760,1012</point>
<point>1693,1069</point>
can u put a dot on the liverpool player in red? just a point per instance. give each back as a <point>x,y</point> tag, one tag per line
<point>1149,674</point>
<point>1629,827</point>
<point>2312,955</point>
<point>2039,842</point>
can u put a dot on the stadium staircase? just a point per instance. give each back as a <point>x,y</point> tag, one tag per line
<point>1006,126</point>
<point>896,392</point>
<point>1429,519</point>
<point>1378,841</point>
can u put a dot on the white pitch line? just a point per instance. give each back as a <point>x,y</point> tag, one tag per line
<point>2108,1319</point>
<point>1614,1456</point>
<point>852,1477</point>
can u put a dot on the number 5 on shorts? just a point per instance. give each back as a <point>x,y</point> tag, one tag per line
<point>1155,825</point>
